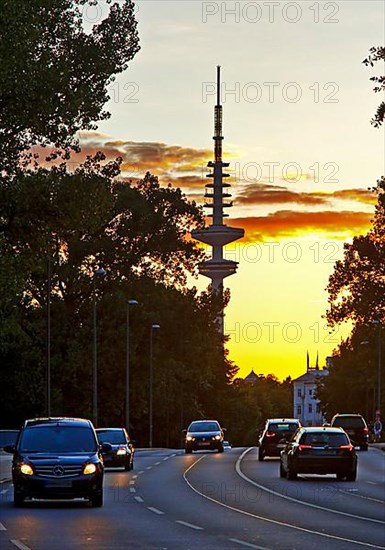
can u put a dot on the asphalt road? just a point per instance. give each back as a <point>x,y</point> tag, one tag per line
<point>208,501</point>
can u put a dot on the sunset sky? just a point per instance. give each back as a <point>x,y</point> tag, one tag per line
<point>297,106</point>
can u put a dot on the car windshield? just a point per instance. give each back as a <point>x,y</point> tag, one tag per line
<point>57,439</point>
<point>203,427</point>
<point>324,439</point>
<point>348,422</point>
<point>115,437</point>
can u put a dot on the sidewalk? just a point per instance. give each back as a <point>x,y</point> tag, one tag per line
<point>380,446</point>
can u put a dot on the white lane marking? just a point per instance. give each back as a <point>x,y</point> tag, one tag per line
<point>134,477</point>
<point>155,510</point>
<point>166,458</point>
<point>268,520</point>
<point>2,527</point>
<point>138,499</point>
<point>132,490</point>
<point>3,491</point>
<point>141,472</point>
<point>132,482</point>
<point>292,499</point>
<point>157,463</point>
<point>20,545</point>
<point>361,496</point>
<point>191,525</point>
<point>248,544</point>
<point>149,468</point>
<point>371,482</point>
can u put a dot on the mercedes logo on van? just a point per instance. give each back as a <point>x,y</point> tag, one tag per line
<point>58,471</point>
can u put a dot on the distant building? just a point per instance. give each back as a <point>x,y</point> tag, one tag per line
<point>251,378</point>
<point>305,406</point>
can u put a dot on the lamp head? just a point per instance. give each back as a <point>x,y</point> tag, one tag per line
<point>132,302</point>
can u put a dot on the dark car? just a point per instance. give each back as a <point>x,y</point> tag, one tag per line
<point>122,450</point>
<point>319,451</point>
<point>204,434</point>
<point>355,426</point>
<point>57,458</point>
<point>276,433</point>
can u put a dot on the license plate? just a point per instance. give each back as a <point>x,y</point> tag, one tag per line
<point>204,443</point>
<point>57,484</point>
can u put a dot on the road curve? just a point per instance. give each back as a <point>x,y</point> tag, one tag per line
<point>208,501</point>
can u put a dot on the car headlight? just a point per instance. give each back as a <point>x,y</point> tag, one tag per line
<point>89,469</point>
<point>26,469</point>
<point>189,438</point>
<point>217,437</point>
<point>121,451</point>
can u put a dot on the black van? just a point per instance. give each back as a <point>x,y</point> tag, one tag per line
<point>355,426</point>
<point>57,458</point>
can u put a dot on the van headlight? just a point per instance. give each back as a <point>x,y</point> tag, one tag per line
<point>26,469</point>
<point>189,438</point>
<point>89,469</point>
<point>217,437</point>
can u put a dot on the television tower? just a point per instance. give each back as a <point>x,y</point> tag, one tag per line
<point>218,234</point>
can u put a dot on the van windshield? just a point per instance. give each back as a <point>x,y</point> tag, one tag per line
<point>57,439</point>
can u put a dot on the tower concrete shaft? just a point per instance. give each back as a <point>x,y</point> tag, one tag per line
<point>218,235</point>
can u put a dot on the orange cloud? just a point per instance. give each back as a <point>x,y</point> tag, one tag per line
<point>288,223</point>
<point>260,193</point>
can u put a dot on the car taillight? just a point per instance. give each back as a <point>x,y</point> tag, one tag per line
<point>347,447</point>
<point>365,430</point>
<point>302,447</point>
<point>270,434</point>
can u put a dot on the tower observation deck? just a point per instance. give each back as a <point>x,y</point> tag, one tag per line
<point>217,235</point>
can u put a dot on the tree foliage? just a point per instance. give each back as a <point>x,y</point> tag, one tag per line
<point>357,294</point>
<point>54,74</point>
<point>352,382</point>
<point>377,54</point>
<point>357,286</point>
<point>57,224</point>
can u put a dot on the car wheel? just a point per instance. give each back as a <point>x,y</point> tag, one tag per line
<point>282,472</point>
<point>18,499</point>
<point>351,476</point>
<point>364,447</point>
<point>96,499</point>
<point>220,449</point>
<point>127,467</point>
<point>261,454</point>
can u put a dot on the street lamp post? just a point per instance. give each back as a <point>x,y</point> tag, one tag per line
<point>127,405</point>
<point>153,327</point>
<point>100,272</point>
<point>377,322</point>
<point>49,285</point>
